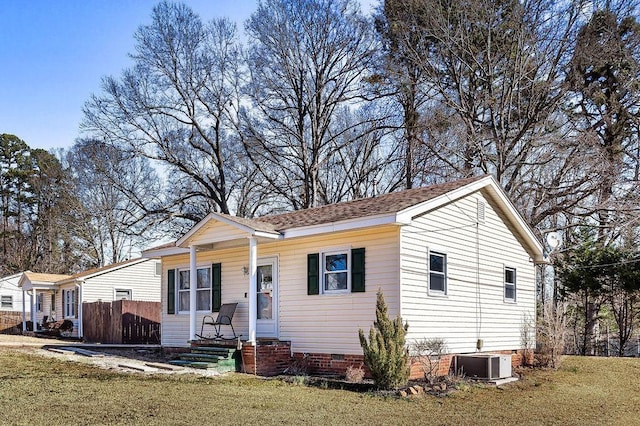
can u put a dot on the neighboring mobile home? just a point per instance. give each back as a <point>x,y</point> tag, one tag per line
<point>59,297</point>
<point>455,260</point>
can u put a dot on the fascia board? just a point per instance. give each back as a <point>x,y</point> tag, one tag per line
<point>347,225</point>
<point>166,251</point>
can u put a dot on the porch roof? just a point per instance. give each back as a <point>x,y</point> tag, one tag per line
<point>31,279</point>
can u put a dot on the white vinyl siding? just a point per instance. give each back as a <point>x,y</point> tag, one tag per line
<point>140,277</point>
<point>9,287</point>
<point>312,323</point>
<point>476,254</point>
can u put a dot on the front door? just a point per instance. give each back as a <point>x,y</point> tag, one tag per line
<point>267,318</point>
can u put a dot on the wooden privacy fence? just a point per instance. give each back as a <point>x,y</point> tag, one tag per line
<point>10,322</point>
<point>122,321</point>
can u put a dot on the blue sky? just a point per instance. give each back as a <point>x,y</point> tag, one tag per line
<point>53,55</point>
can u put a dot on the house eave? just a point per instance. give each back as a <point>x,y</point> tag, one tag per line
<point>164,251</point>
<point>345,225</point>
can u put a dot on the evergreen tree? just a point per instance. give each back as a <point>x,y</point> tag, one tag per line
<point>386,354</point>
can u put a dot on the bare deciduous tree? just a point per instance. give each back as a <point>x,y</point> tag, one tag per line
<point>178,106</point>
<point>307,61</point>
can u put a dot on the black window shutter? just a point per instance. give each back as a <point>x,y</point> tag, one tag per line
<point>313,273</point>
<point>216,286</point>
<point>171,291</point>
<point>357,270</point>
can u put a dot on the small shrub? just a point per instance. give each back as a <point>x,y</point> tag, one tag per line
<point>527,339</point>
<point>428,353</point>
<point>385,353</point>
<point>354,374</point>
<point>551,335</point>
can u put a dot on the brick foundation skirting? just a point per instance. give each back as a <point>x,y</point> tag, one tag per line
<point>274,357</point>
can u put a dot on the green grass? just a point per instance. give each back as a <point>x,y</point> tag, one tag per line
<point>36,390</point>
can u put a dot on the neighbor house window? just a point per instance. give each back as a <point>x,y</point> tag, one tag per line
<point>53,302</point>
<point>39,302</point>
<point>69,303</point>
<point>437,273</point>
<point>203,290</point>
<point>335,272</point>
<point>122,294</point>
<point>510,284</point>
<point>6,302</point>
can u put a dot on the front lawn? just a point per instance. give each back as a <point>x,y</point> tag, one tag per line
<point>37,390</point>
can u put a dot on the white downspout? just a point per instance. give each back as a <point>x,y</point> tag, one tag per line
<point>253,288</point>
<point>79,287</point>
<point>193,283</point>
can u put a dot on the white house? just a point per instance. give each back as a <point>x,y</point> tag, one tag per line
<point>11,294</point>
<point>456,261</point>
<point>61,296</point>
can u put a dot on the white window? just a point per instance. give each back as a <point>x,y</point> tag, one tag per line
<point>6,302</point>
<point>203,290</point>
<point>69,303</point>
<point>335,272</point>
<point>158,269</point>
<point>510,284</point>
<point>123,294</point>
<point>437,273</point>
<point>39,302</point>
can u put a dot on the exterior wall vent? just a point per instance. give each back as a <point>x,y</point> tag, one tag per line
<point>484,366</point>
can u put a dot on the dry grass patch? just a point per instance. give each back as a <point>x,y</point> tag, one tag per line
<point>38,390</point>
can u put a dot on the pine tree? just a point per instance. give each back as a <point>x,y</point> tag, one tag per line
<point>386,354</point>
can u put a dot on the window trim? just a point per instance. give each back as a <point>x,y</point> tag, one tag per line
<point>6,301</point>
<point>116,290</point>
<point>323,272</point>
<point>39,301</point>
<point>514,284</point>
<point>178,290</point>
<point>444,274</point>
<point>68,308</point>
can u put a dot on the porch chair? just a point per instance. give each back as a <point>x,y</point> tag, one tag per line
<point>225,316</point>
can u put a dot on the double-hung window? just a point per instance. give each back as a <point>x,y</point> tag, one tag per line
<point>203,290</point>
<point>509,284</point>
<point>39,302</point>
<point>69,303</point>
<point>335,272</point>
<point>437,273</point>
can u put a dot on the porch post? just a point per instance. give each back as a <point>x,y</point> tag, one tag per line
<point>79,307</point>
<point>253,288</point>
<point>193,283</point>
<point>34,296</point>
<point>24,310</point>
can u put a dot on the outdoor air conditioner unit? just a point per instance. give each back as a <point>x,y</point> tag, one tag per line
<point>484,366</point>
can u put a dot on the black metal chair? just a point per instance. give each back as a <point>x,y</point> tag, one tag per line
<point>225,317</point>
